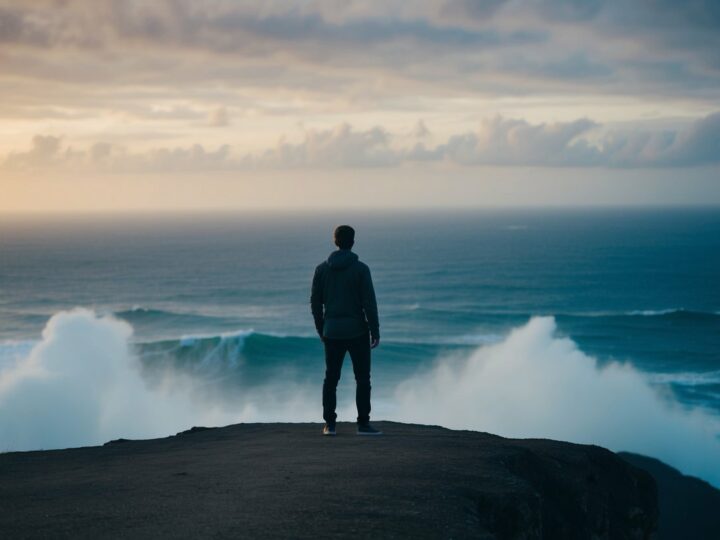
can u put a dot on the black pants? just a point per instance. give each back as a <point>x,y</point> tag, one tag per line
<point>359,349</point>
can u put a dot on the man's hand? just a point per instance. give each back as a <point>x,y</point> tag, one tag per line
<point>374,342</point>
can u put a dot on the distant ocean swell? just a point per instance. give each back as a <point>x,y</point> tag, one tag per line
<point>140,312</point>
<point>667,312</point>
<point>171,322</point>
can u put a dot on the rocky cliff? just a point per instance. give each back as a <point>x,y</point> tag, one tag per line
<point>288,481</point>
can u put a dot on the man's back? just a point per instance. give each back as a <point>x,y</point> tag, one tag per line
<point>343,297</point>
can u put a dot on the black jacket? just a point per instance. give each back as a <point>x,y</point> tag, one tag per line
<point>343,285</point>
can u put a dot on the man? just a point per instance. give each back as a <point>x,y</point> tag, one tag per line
<point>343,287</point>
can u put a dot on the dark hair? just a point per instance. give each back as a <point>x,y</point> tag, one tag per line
<point>344,236</point>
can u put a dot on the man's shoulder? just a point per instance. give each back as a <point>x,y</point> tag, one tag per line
<point>321,267</point>
<point>362,266</point>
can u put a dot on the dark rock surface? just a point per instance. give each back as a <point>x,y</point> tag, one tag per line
<point>287,481</point>
<point>689,507</point>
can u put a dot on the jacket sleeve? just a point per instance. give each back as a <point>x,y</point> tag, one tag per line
<point>369,303</point>
<point>316,301</point>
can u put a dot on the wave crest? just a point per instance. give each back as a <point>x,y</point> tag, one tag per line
<point>535,384</point>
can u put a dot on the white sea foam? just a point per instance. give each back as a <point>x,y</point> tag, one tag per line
<point>655,312</point>
<point>13,352</point>
<point>534,384</point>
<point>82,385</point>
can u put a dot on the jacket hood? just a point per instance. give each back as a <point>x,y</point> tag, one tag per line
<point>341,259</point>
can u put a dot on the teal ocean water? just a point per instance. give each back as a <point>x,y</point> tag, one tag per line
<point>223,301</point>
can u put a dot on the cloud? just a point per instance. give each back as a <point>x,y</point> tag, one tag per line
<point>699,144</point>
<point>44,150</point>
<point>516,142</point>
<point>511,142</point>
<point>46,154</point>
<point>420,130</point>
<point>338,147</point>
<point>497,142</point>
<point>601,47</point>
<point>226,25</point>
<point>505,142</point>
<point>474,9</point>
<point>219,117</point>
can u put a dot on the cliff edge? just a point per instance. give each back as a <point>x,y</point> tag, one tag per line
<point>288,481</point>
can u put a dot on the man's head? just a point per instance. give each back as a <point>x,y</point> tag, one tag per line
<point>344,236</point>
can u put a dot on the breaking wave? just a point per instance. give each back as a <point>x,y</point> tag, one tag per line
<point>142,314</point>
<point>535,384</point>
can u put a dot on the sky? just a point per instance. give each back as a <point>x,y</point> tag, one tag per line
<point>171,105</point>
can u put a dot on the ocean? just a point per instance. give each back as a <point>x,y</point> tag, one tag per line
<point>592,325</point>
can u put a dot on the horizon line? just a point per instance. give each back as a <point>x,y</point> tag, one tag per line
<point>224,211</point>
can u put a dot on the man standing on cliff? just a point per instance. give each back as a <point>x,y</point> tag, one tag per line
<point>346,318</point>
